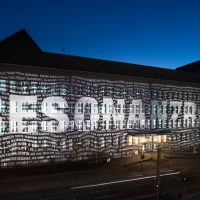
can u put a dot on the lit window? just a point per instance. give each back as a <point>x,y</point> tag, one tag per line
<point>44,107</point>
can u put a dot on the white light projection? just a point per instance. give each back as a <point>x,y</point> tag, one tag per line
<point>88,111</point>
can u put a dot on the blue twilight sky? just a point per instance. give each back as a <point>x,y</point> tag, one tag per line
<point>163,33</point>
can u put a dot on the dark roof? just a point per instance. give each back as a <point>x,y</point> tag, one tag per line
<point>191,67</point>
<point>21,49</point>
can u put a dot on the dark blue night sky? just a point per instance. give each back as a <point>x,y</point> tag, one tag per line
<point>163,33</point>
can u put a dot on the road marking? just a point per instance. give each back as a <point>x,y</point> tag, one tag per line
<point>122,181</point>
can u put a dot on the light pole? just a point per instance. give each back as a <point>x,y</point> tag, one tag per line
<point>95,142</point>
<point>158,172</point>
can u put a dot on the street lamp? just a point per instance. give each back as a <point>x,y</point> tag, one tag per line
<point>95,142</point>
<point>158,172</point>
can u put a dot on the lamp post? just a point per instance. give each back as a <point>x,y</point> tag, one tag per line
<point>96,161</point>
<point>158,172</point>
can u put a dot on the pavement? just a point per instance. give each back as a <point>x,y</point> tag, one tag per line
<point>116,170</point>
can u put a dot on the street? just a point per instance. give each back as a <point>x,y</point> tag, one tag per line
<point>134,188</point>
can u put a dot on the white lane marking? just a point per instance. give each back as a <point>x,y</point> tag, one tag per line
<point>122,181</point>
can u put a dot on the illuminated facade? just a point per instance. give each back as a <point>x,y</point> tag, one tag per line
<point>49,114</point>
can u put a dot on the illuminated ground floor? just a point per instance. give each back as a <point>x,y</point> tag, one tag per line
<point>147,143</point>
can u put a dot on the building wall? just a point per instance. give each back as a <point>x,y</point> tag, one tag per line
<point>52,115</point>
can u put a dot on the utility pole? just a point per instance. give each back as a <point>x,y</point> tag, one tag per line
<point>158,172</point>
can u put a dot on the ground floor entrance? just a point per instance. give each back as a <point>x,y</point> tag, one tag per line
<point>143,144</point>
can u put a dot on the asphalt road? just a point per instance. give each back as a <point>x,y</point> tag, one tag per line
<point>134,188</point>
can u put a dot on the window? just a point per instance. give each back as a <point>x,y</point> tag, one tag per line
<point>25,106</point>
<point>13,106</point>
<point>24,87</point>
<point>80,108</point>
<point>130,124</point>
<point>71,125</point>
<point>95,108</point>
<point>34,126</point>
<point>160,123</point>
<point>190,110</point>
<point>25,127</point>
<point>33,87</point>
<point>131,108</point>
<point>13,127</point>
<point>176,109</point>
<point>154,109</point>
<point>118,108</point>
<point>54,107</point>
<point>80,125</point>
<point>137,109</point>
<point>2,86</point>
<point>63,90</point>
<point>44,126</point>
<point>13,86</point>
<point>110,125</point>
<point>117,124</point>
<point>54,126</point>
<point>87,125</point>
<point>34,106</point>
<point>44,107</point>
<point>2,106</point>
<point>124,108</point>
<point>142,123</point>
<point>44,88</point>
<point>110,108</point>
<point>2,126</point>
<point>154,123</point>
<point>96,124</point>
<point>161,109</point>
<point>63,126</point>
<point>87,108</point>
<point>104,125</point>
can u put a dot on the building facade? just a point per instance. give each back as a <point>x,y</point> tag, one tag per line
<point>54,114</point>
